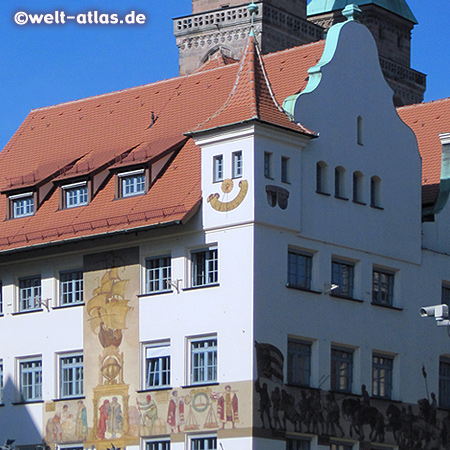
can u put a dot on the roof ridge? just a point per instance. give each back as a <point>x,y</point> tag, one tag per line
<point>414,105</point>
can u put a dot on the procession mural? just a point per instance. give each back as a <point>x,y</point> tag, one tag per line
<point>281,408</point>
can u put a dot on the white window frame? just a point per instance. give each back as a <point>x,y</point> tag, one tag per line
<point>237,164</point>
<point>268,165</point>
<point>157,351</point>
<point>74,381</point>
<point>157,444</point>
<point>139,185</point>
<point>16,205</point>
<point>1,298</point>
<point>217,168</point>
<point>162,274</point>
<point>205,438</point>
<point>80,197</point>
<point>381,285</point>
<point>203,369</point>
<point>344,377</point>
<point>209,267</point>
<point>293,275</point>
<point>345,290</point>
<point>36,381</point>
<point>382,375</point>
<point>35,297</point>
<point>75,287</point>
<point>299,373</point>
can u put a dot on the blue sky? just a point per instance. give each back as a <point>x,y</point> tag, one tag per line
<point>45,65</point>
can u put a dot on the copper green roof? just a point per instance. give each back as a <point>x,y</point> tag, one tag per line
<point>399,7</point>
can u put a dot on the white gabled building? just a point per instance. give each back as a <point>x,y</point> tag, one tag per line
<point>234,258</point>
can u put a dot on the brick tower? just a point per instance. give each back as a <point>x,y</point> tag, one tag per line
<point>391,23</point>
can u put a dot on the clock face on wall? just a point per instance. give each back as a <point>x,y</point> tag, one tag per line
<point>228,205</point>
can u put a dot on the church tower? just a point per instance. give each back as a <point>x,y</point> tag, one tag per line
<point>219,28</point>
<point>391,23</point>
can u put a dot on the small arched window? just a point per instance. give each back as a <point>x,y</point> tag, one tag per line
<point>359,130</point>
<point>321,177</point>
<point>375,191</point>
<point>339,182</point>
<point>358,187</point>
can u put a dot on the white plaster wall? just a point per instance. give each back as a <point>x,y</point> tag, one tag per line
<point>352,85</point>
<point>40,333</point>
<point>327,320</point>
<point>435,234</point>
<point>225,309</point>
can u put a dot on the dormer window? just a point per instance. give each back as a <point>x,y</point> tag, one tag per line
<point>132,183</point>
<point>75,194</point>
<point>22,205</point>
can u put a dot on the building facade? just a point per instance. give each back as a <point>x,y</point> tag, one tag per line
<point>246,275</point>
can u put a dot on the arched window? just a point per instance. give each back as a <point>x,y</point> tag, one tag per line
<point>321,177</point>
<point>375,191</point>
<point>358,187</point>
<point>339,182</point>
<point>359,130</point>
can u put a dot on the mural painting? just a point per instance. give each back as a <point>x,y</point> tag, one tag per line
<point>328,414</point>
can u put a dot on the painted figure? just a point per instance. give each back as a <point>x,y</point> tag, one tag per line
<point>276,406</point>
<point>227,407</point>
<point>264,402</point>
<point>115,419</point>
<point>105,411</point>
<point>148,410</point>
<point>175,414</point>
<point>81,428</point>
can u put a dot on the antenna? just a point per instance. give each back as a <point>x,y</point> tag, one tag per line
<point>175,284</point>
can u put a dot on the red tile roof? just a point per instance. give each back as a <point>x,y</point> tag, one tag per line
<point>140,125</point>
<point>428,120</point>
<point>251,97</point>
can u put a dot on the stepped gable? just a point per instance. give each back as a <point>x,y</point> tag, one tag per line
<point>251,97</point>
<point>428,120</point>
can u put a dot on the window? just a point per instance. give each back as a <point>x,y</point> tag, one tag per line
<point>342,274</point>
<point>297,444</point>
<point>30,379</point>
<point>284,169</point>
<point>382,287</point>
<point>299,270</point>
<point>30,293</point>
<point>445,294</point>
<point>22,205</point>
<point>357,187</point>
<point>268,165</point>
<point>375,192</point>
<point>382,376</point>
<point>158,274</point>
<point>341,447</point>
<point>237,164</point>
<point>157,445</point>
<point>157,365</point>
<point>359,130</point>
<point>204,267</point>
<point>204,443</point>
<point>203,360</point>
<point>71,287</point>
<point>341,369</point>
<point>75,194</point>
<point>1,381</point>
<point>218,168</point>
<point>71,376</point>
<point>299,363</point>
<point>444,382</point>
<point>1,298</point>
<point>321,177</point>
<point>339,182</point>
<point>132,183</point>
